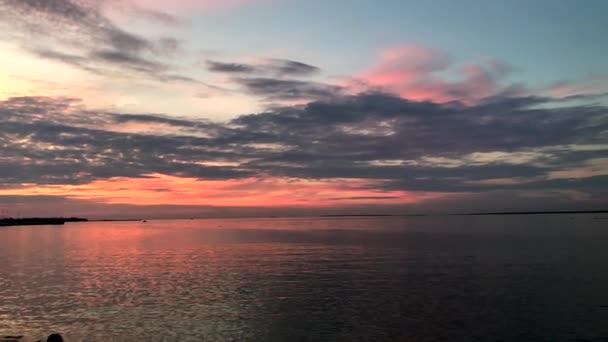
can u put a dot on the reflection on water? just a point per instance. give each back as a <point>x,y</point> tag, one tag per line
<point>419,279</point>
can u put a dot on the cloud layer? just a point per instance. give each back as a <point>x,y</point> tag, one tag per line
<point>381,142</point>
<point>80,33</point>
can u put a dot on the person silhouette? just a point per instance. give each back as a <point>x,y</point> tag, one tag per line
<point>54,338</point>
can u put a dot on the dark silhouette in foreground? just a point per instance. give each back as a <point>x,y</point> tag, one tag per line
<point>54,338</point>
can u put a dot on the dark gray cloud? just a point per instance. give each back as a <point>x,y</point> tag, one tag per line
<point>382,126</point>
<point>267,80</point>
<point>397,144</point>
<point>134,61</point>
<point>273,67</point>
<point>78,33</point>
<point>281,89</point>
<point>294,68</point>
<point>236,68</point>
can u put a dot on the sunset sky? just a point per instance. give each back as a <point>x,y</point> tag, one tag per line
<point>195,108</point>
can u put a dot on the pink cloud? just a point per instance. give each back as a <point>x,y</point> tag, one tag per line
<point>424,74</point>
<point>405,64</point>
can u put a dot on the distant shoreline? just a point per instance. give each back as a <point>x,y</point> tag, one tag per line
<point>39,221</point>
<point>562,212</point>
<point>116,220</point>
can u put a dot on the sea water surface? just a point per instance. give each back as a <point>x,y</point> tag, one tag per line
<point>490,278</point>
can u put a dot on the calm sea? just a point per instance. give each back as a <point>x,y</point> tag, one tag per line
<point>498,278</point>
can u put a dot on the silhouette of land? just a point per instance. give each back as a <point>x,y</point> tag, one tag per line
<point>361,215</point>
<point>116,220</point>
<point>39,221</point>
<point>476,213</point>
<point>536,212</point>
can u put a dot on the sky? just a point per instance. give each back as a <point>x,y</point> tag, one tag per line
<point>198,108</point>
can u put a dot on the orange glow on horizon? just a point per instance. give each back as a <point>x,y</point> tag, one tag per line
<point>159,189</point>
